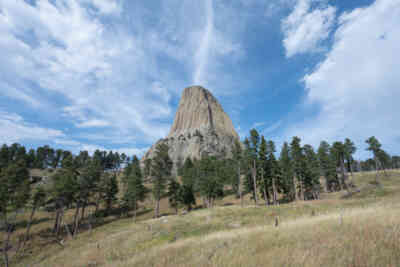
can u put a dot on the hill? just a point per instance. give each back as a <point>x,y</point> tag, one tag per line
<point>361,229</point>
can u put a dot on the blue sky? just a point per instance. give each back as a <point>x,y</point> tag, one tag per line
<point>108,74</point>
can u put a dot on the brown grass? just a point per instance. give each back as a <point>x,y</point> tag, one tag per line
<point>359,231</point>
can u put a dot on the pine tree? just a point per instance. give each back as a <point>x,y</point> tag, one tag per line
<point>349,150</point>
<point>135,191</point>
<point>14,195</point>
<point>38,199</point>
<point>174,194</point>
<point>88,174</point>
<point>161,170</point>
<point>328,167</point>
<point>4,156</point>
<point>109,190</point>
<point>253,153</point>
<point>187,197</point>
<point>274,172</point>
<point>263,169</point>
<point>312,173</point>
<point>209,183</point>
<point>338,151</point>
<point>296,153</point>
<point>379,155</point>
<point>188,174</point>
<point>65,189</point>
<point>237,155</point>
<point>147,168</point>
<point>286,165</point>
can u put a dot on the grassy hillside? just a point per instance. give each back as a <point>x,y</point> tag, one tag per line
<point>358,230</point>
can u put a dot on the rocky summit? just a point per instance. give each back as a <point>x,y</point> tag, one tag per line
<point>201,127</point>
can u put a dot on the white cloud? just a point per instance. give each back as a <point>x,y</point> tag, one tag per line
<point>257,124</point>
<point>357,85</point>
<point>93,123</point>
<point>114,64</point>
<point>102,73</point>
<point>13,128</point>
<point>106,6</point>
<point>273,127</point>
<point>201,56</point>
<point>305,28</point>
<point>212,45</point>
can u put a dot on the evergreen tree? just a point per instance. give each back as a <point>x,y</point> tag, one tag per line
<point>65,188</point>
<point>135,191</point>
<point>4,156</point>
<point>338,151</point>
<point>14,195</point>
<point>57,158</point>
<point>312,173</point>
<point>263,170</point>
<point>147,168</point>
<point>30,159</point>
<point>38,199</point>
<point>109,189</point>
<point>274,171</point>
<point>296,154</point>
<point>187,196</point>
<point>188,174</point>
<point>161,171</point>
<point>380,156</point>
<point>253,153</point>
<point>349,150</point>
<point>174,194</point>
<point>286,165</point>
<point>237,153</point>
<point>209,183</point>
<point>88,181</point>
<point>328,167</point>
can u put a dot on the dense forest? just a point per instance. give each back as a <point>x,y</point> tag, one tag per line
<point>111,183</point>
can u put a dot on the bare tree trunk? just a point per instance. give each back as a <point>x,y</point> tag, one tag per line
<point>157,210</point>
<point>56,221</point>
<point>83,210</point>
<point>296,197</point>
<point>264,188</point>
<point>301,191</point>
<point>240,187</point>
<point>274,197</point>
<point>254,173</point>
<point>63,222</point>
<point>76,219</point>
<point>344,175</point>
<point>135,211</point>
<point>28,228</point>
<point>351,170</point>
<point>97,204</point>
<point>6,241</point>
<point>265,195</point>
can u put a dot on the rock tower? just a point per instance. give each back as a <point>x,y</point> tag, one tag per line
<point>201,127</point>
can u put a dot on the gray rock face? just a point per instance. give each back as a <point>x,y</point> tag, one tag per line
<point>201,127</point>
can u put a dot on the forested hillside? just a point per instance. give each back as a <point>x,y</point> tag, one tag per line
<point>49,196</point>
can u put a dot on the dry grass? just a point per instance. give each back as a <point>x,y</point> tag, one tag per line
<point>359,231</point>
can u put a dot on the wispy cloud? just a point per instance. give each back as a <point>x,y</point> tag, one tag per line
<point>272,128</point>
<point>202,54</point>
<point>306,27</point>
<point>356,86</point>
<point>13,129</point>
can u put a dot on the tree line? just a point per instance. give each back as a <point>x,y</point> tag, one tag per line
<point>110,182</point>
